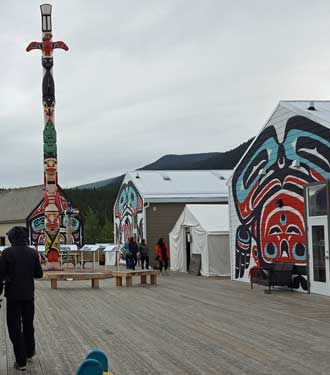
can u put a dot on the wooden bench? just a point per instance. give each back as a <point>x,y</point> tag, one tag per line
<point>61,276</point>
<point>129,274</point>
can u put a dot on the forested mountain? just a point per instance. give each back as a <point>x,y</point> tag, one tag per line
<point>103,183</point>
<point>224,160</point>
<point>204,161</point>
<point>179,162</point>
<point>96,200</point>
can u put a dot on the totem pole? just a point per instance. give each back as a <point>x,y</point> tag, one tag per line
<point>51,193</point>
<point>69,213</point>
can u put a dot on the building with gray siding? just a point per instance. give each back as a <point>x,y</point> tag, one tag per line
<point>24,207</point>
<point>150,202</point>
<point>15,207</point>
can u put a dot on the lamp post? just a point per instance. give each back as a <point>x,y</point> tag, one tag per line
<point>51,193</point>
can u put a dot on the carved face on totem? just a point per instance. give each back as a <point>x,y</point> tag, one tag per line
<point>47,62</point>
<point>52,222</point>
<point>49,108</point>
<point>50,169</point>
<point>50,166</point>
<point>268,191</point>
<point>46,37</point>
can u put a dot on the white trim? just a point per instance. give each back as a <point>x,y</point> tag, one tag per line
<point>251,144</point>
<point>188,199</point>
<point>289,105</point>
<point>312,115</point>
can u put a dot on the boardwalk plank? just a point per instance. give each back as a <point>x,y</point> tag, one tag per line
<point>185,325</point>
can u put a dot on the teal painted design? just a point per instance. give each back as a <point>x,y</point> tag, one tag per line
<point>49,135</point>
<point>270,147</point>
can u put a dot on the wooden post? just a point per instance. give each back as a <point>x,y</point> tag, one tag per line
<point>119,281</point>
<point>53,283</point>
<point>153,279</point>
<point>95,283</point>
<point>143,279</point>
<point>129,281</point>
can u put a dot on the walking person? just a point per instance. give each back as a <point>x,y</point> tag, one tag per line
<point>163,254</point>
<point>144,254</point>
<point>133,248</point>
<point>19,265</point>
<point>126,254</point>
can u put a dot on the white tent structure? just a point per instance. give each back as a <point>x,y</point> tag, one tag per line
<point>208,228</point>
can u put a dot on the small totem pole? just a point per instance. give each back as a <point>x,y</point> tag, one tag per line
<point>69,213</point>
<point>51,193</point>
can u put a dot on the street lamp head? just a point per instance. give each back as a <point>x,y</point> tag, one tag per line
<point>46,17</point>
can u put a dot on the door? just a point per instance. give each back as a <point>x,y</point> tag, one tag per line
<point>318,245</point>
<point>188,251</point>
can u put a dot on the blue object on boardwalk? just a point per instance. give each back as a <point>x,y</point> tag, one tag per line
<point>90,367</point>
<point>101,357</point>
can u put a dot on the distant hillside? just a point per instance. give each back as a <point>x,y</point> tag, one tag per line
<point>177,162</point>
<point>204,161</point>
<point>223,160</point>
<point>114,181</point>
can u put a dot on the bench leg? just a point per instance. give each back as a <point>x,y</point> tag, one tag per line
<point>119,281</point>
<point>53,283</point>
<point>129,280</point>
<point>153,279</point>
<point>143,279</point>
<point>95,283</point>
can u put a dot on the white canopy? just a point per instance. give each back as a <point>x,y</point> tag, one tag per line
<point>208,226</point>
<point>91,248</point>
<point>110,251</point>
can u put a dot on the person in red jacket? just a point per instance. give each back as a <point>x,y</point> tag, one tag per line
<point>163,254</point>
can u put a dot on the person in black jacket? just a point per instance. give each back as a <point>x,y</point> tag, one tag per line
<point>19,265</point>
<point>133,248</point>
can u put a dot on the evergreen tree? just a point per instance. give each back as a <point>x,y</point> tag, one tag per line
<point>106,233</point>
<point>92,227</point>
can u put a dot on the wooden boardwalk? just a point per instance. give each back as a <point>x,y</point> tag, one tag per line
<point>185,325</point>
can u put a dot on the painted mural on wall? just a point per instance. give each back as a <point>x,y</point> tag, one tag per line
<point>36,225</point>
<point>128,213</point>
<point>268,190</point>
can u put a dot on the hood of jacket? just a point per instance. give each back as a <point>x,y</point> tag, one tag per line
<point>18,236</point>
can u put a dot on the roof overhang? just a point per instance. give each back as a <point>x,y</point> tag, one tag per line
<point>14,221</point>
<point>190,199</point>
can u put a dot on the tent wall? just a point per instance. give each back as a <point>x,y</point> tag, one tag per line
<point>198,245</point>
<point>212,243</point>
<point>218,255</point>
<point>177,241</point>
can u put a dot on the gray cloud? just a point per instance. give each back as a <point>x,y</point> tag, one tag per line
<point>150,77</point>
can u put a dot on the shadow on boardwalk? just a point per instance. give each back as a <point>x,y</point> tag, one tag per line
<point>185,325</point>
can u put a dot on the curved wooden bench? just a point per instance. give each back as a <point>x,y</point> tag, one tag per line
<point>61,276</point>
<point>129,274</point>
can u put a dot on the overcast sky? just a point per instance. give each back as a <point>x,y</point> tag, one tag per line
<point>151,77</point>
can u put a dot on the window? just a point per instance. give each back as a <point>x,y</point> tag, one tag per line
<point>317,201</point>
